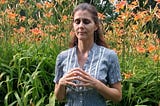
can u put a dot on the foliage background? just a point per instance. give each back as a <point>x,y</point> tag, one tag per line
<point>32,33</point>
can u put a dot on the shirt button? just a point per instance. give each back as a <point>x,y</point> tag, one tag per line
<point>80,88</point>
<point>81,101</point>
<point>81,94</point>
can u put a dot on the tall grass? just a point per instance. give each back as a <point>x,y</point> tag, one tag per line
<point>33,33</point>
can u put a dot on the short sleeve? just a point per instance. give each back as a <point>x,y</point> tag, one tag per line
<point>114,74</point>
<point>58,69</point>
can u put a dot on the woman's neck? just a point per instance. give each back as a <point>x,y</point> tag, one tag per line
<point>83,51</point>
<point>84,47</point>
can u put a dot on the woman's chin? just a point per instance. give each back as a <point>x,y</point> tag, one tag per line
<point>82,37</point>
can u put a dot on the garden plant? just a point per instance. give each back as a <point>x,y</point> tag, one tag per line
<point>33,32</point>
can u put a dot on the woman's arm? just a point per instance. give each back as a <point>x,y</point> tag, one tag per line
<point>113,93</point>
<point>60,87</point>
<point>59,92</point>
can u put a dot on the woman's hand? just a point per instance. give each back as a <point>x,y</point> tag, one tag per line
<point>78,74</point>
<point>85,79</point>
<point>113,92</point>
<point>68,79</point>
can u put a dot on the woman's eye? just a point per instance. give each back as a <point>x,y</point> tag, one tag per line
<point>86,21</point>
<point>77,21</point>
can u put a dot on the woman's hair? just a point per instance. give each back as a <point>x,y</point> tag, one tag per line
<point>98,37</point>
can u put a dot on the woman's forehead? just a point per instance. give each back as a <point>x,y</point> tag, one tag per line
<point>82,14</point>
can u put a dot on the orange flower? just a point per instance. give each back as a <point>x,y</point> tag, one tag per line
<point>125,15</point>
<point>135,3</point>
<point>156,57</point>
<point>135,27</point>
<point>36,31</point>
<point>151,48</point>
<point>3,1</point>
<point>12,15</point>
<point>64,18</point>
<point>140,49</point>
<point>22,18</point>
<point>101,16</point>
<point>48,4</point>
<point>120,5</point>
<point>147,18</point>
<point>12,22</point>
<point>21,1</point>
<point>142,42</point>
<point>48,15</point>
<point>21,30</point>
<point>137,17</point>
<point>158,1</point>
<point>71,33</point>
<point>127,75</point>
<point>39,5</point>
<point>63,34</point>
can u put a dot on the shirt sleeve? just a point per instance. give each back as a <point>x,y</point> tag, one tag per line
<point>114,74</point>
<point>58,69</point>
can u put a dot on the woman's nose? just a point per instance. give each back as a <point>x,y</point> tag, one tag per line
<point>81,24</point>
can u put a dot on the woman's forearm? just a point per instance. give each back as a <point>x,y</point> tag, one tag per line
<point>114,93</point>
<point>60,92</point>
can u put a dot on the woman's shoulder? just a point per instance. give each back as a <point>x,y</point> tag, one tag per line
<point>106,50</point>
<point>65,53</point>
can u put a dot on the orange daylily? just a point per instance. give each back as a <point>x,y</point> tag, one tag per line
<point>22,18</point>
<point>135,3</point>
<point>151,48</point>
<point>101,16</point>
<point>64,18</point>
<point>21,1</point>
<point>63,34</point>
<point>36,31</point>
<point>156,57</point>
<point>120,5</point>
<point>48,4</point>
<point>135,27</point>
<point>138,16</point>
<point>12,22</point>
<point>140,49</point>
<point>12,15</point>
<point>3,1</point>
<point>147,18</point>
<point>48,15</point>
<point>21,30</point>
<point>127,75</point>
<point>71,33</point>
<point>142,42</point>
<point>39,5</point>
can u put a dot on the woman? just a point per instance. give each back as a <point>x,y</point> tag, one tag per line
<point>88,73</point>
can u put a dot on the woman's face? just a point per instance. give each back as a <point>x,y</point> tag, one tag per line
<point>83,25</point>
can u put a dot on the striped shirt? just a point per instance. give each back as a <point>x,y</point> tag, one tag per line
<point>102,64</point>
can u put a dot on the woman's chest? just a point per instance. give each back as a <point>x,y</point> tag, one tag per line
<point>96,66</point>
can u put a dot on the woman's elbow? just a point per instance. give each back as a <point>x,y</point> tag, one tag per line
<point>118,98</point>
